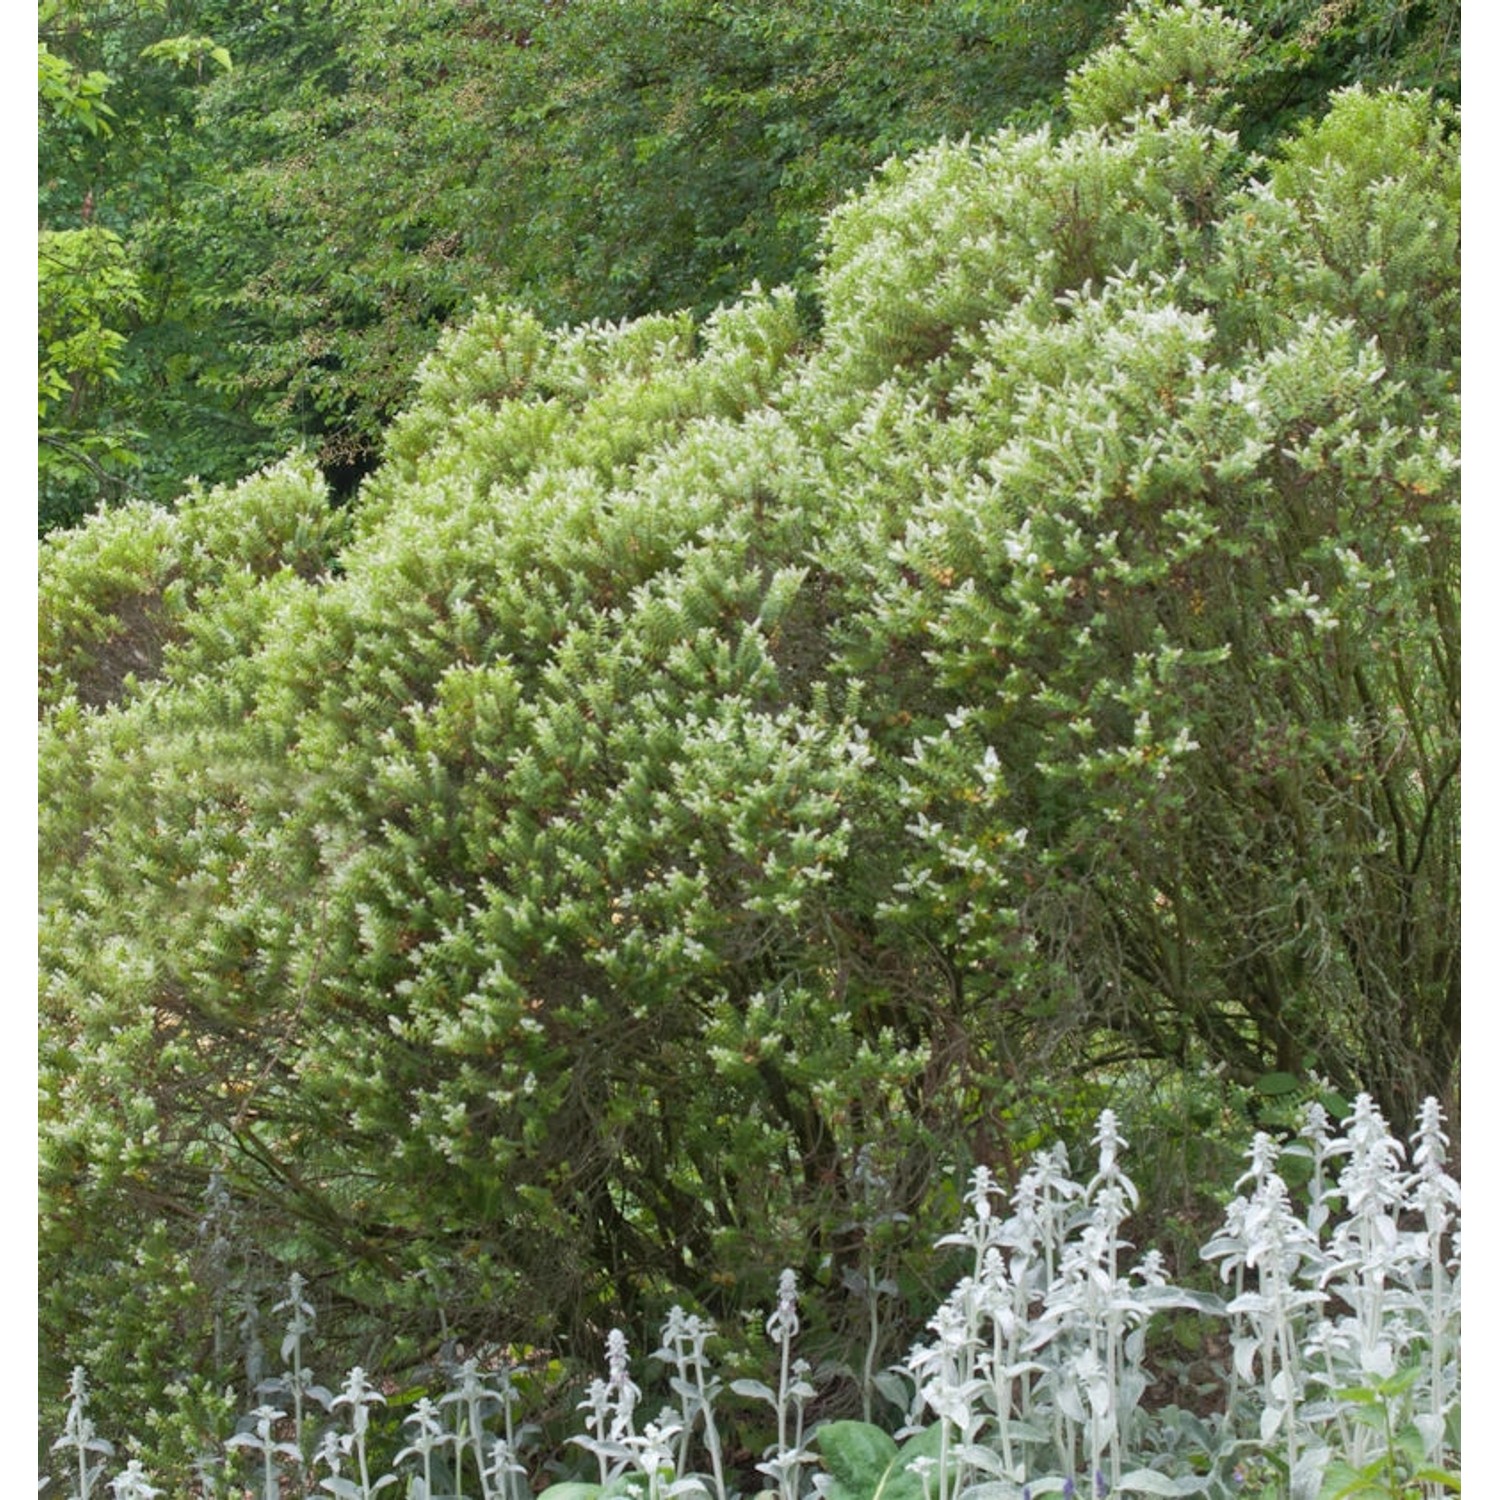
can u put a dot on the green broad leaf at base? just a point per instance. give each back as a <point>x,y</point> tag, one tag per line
<point>572,1489</point>
<point>1149,1482</point>
<point>1439,1477</point>
<point>857,1453</point>
<point>867,1464</point>
<point>928,1443</point>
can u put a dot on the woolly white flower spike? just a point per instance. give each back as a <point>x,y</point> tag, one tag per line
<point>1111,1143</point>
<point>1263,1155</point>
<point>784,1323</point>
<point>134,1483</point>
<point>1430,1190</point>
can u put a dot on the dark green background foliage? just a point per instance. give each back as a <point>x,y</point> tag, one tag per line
<point>726,773</point>
<point>305,223</point>
<point>301,225</point>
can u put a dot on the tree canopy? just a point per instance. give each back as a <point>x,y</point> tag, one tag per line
<point>303,222</point>
<point>720,762</point>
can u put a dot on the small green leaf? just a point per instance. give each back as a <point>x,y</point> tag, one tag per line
<point>1438,1476</point>
<point>1276,1084</point>
<point>1402,1380</point>
<point>926,1444</point>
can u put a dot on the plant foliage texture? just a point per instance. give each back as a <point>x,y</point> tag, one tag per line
<point>719,765</point>
<point>305,194</point>
<point>309,192</point>
<point>1343,1381</point>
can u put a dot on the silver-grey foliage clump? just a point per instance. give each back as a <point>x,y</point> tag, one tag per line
<point>1342,1305</point>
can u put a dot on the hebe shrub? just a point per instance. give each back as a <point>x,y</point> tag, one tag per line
<point>708,770</point>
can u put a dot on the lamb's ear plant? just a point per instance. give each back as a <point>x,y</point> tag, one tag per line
<point>1433,1194</point>
<point>652,1455</point>
<point>261,1439</point>
<point>503,1471</point>
<point>134,1483</point>
<point>428,1437</point>
<point>657,1454</point>
<point>1343,1382</point>
<point>609,1413</point>
<point>360,1398</point>
<point>1035,1376</point>
<point>516,1435</point>
<point>87,1451</point>
<point>252,1350</point>
<point>595,1437</point>
<point>332,1452</point>
<point>1353,1402</point>
<point>684,1339</point>
<point>296,1381</point>
<point>784,1463</point>
<point>207,1469</point>
<point>873,1215</point>
<point>475,1400</point>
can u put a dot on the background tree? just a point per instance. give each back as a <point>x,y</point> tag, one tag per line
<point>85,289</point>
<point>119,352</point>
<point>596,161</point>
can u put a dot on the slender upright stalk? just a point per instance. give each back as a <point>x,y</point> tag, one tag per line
<point>710,1430</point>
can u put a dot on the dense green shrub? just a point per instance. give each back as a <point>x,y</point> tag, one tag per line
<point>713,756</point>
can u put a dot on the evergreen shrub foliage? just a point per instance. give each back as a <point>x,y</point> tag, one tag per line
<point>707,758</point>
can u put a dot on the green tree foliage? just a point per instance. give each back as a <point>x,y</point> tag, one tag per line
<point>597,161</point>
<point>86,287</point>
<point>305,223</point>
<point>722,763</point>
<point>120,352</point>
<point>1306,48</point>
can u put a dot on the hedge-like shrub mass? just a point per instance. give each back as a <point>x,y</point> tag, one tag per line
<point>703,755</point>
